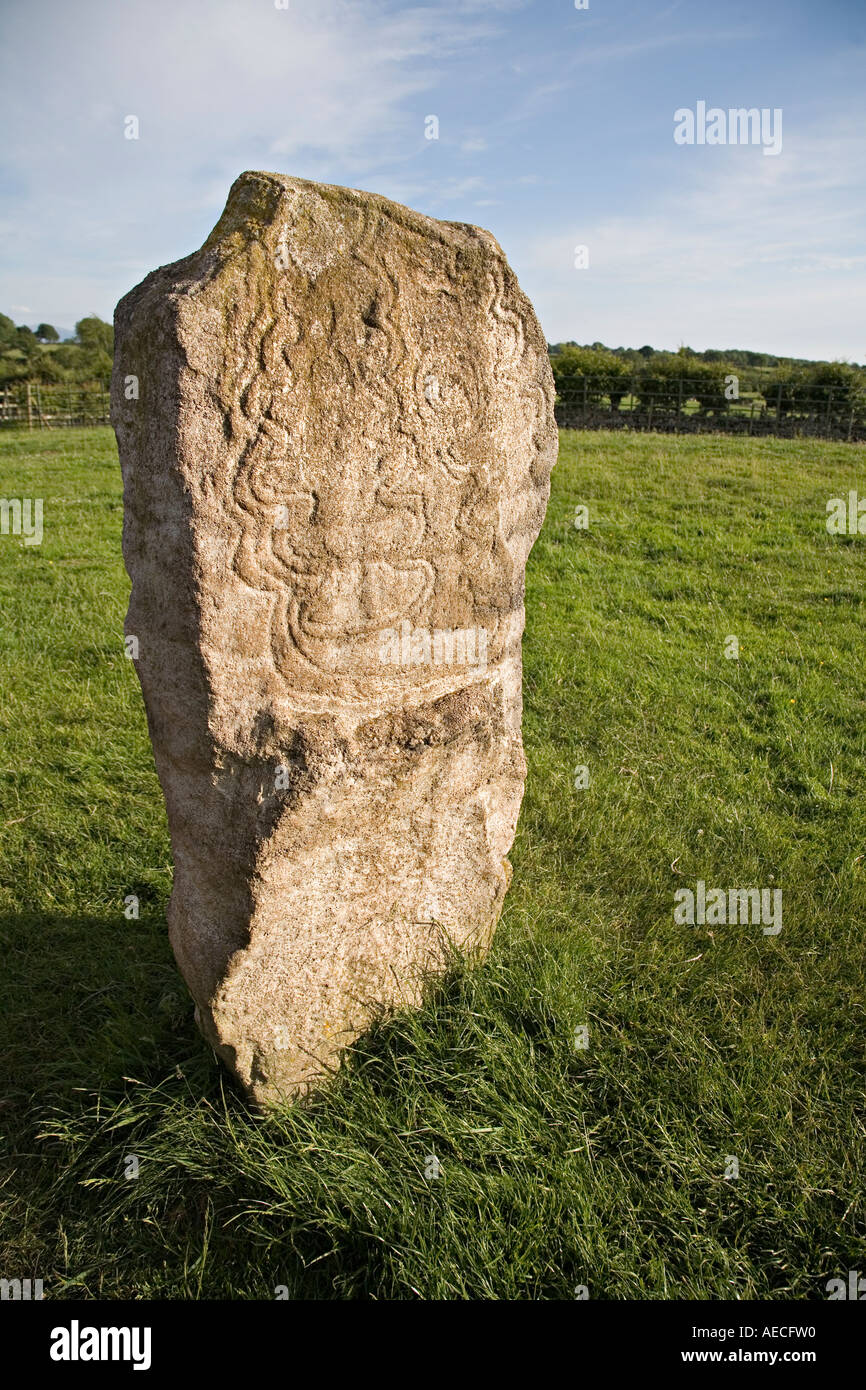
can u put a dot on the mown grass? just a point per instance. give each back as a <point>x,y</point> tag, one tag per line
<point>560,1166</point>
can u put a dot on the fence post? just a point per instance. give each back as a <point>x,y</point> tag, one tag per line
<point>679,401</point>
<point>29,408</point>
<point>778,407</point>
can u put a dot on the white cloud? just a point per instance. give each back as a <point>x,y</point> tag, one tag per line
<point>713,245</point>
<point>334,91</point>
<point>747,252</point>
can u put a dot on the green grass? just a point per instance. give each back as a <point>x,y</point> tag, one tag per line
<point>560,1166</point>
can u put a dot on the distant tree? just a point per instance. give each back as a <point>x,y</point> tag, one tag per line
<point>13,367</point>
<point>67,356</point>
<point>646,350</point>
<point>833,389</point>
<point>758,359</point>
<point>47,333</point>
<point>657,384</point>
<point>7,333</point>
<point>784,389</point>
<point>47,368</point>
<point>590,373</point>
<point>706,385</point>
<point>94,334</point>
<point>676,378</point>
<point>632,357</point>
<point>25,341</point>
<point>95,339</point>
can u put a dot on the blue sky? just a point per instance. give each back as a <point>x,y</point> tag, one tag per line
<point>555,130</point>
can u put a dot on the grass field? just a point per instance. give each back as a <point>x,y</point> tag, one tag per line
<point>561,1166</point>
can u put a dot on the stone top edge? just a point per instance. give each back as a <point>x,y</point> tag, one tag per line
<point>254,202</point>
<point>406,216</point>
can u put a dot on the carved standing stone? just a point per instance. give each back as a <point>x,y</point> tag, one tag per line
<point>336,430</point>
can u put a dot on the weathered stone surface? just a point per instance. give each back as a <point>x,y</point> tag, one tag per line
<point>334,469</point>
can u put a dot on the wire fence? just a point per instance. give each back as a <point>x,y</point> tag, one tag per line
<point>686,407</point>
<point>678,406</point>
<point>39,406</point>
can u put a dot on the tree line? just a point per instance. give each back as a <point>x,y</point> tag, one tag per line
<point>592,375</point>
<point>40,357</point>
<point>599,377</point>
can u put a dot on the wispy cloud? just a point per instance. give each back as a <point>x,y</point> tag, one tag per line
<point>342,85</point>
<point>555,128</point>
<point>732,250</point>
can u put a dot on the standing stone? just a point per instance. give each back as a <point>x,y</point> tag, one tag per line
<point>336,430</point>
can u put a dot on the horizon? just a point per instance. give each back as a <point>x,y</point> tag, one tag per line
<point>560,343</point>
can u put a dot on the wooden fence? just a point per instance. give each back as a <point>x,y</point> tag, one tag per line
<point>826,414</point>
<point>36,406</point>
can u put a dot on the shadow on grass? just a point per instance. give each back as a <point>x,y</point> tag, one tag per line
<point>103,1064</point>
<point>92,1003</point>
<point>87,1001</point>
<point>560,1166</point>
